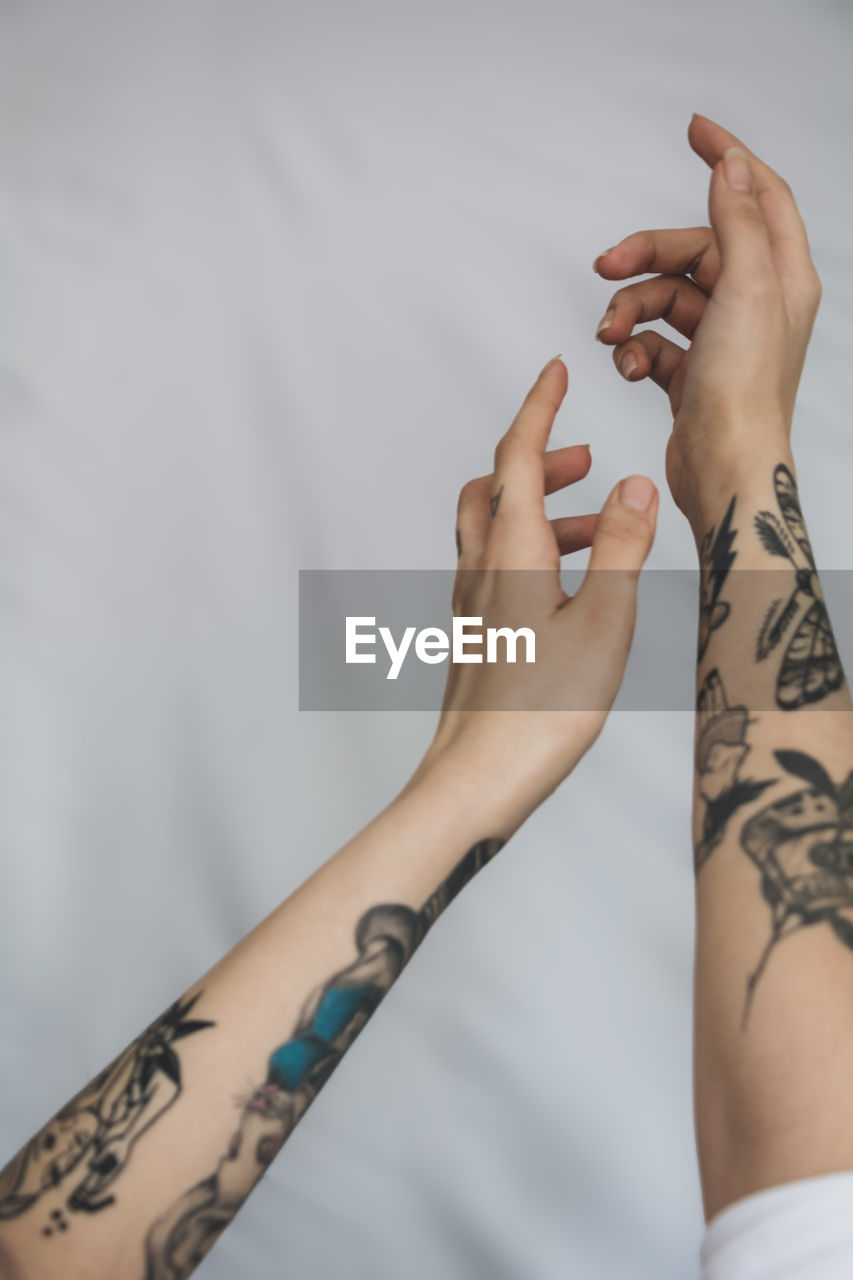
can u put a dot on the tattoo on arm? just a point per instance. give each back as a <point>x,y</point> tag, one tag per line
<point>332,1017</point>
<point>82,1151</point>
<point>495,501</point>
<point>458,543</point>
<point>721,749</point>
<point>715,559</point>
<point>811,667</point>
<point>802,844</point>
<point>803,847</point>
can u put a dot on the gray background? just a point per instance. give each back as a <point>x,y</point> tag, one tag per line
<point>273,280</point>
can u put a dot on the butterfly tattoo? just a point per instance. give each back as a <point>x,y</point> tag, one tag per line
<point>811,666</point>
<point>803,846</point>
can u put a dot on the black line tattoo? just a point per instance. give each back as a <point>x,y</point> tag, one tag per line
<point>803,847</point>
<point>721,749</point>
<point>458,543</point>
<point>811,667</point>
<point>495,501</point>
<point>715,559</point>
<point>332,1017</point>
<point>89,1142</point>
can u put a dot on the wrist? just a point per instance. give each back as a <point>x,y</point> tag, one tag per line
<point>501,765</point>
<point>747,477</point>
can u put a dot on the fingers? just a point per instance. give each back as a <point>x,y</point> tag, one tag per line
<point>573,533</point>
<point>566,466</point>
<point>786,230</point>
<point>743,234</point>
<point>519,476</point>
<point>672,298</point>
<point>695,251</point>
<point>649,355</point>
<point>683,251</point>
<point>624,533</point>
<point>561,467</point>
<point>625,527</point>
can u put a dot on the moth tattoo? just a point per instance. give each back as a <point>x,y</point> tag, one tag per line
<point>715,559</point>
<point>803,847</point>
<point>811,667</point>
<point>721,749</point>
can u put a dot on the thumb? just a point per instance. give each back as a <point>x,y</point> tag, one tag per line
<point>738,221</point>
<point>624,533</point>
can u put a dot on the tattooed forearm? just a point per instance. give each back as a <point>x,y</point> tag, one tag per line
<point>811,667</point>
<point>715,559</point>
<point>71,1164</point>
<point>803,847</point>
<point>721,749</point>
<point>334,1014</point>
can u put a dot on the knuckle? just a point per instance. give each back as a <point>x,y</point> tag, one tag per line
<point>808,291</point>
<point>504,450</point>
<point>647,243</point>
<point>468,494</point>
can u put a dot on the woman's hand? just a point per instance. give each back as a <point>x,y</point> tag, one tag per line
<point>526,724</point>
<point>745,292</point>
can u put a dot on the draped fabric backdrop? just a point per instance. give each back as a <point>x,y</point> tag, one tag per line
<point>273,279</point>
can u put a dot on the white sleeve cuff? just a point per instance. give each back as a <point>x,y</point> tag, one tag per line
<point>798,1231</point>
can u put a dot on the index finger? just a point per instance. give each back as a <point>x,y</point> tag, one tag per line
<point>788,238</point>
<point>680,251</point>
<point>519,474</point>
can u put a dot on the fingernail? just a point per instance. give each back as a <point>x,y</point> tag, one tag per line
<point>737,170</point>
<point>628,364</point>
<point>606,322</point>
<point>637,492</point>
<point>548,366</point>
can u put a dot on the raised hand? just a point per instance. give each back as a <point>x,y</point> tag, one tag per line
<point>744,291</point>
<point>542,716</point>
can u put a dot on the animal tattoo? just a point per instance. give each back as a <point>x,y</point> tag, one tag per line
<point>87,1144</point>
<point>334,1014</point>
<point>811,667</point>
<point>721,749</point>
<point>803,847</point>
